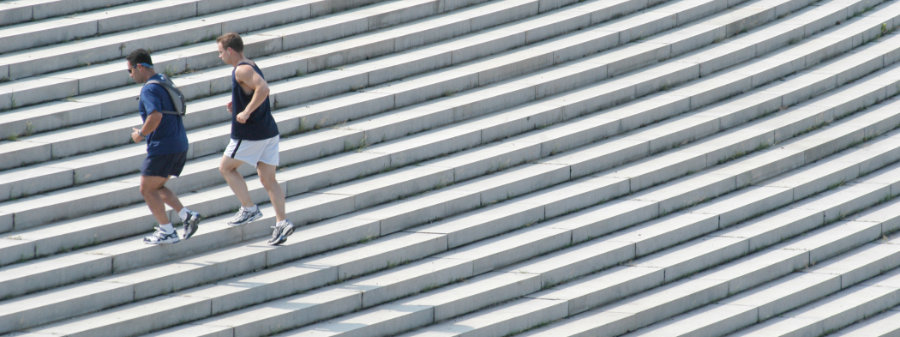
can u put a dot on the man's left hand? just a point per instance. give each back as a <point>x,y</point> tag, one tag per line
<point>136,135</point>
<point>243,117</point>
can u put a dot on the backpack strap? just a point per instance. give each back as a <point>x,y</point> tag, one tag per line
<point>174,94</point>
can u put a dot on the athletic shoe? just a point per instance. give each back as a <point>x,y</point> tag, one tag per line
<point>280,232</point>
<point>159,237</point>
<point>244,216</point>
<point>190,224</point>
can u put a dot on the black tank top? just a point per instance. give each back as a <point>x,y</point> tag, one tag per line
<point>260,125</point>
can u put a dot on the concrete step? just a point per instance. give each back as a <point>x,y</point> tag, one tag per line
<point>730,316</point>
<point>770,301</point>
<point>568,299</point>
<point>72,84</point>
<point>883,324</point>
<point>480,265</point>
<point>840,309</point>
<point>342,145</point>
<point>643,292</point>
<point>120,129</point>
<point>329,83</point>
<point>429,204</point>
<point>13,12</point>
<point>115,46</point>
<point>44,241</point>
<point>82,25</point>
<point>81,235</point>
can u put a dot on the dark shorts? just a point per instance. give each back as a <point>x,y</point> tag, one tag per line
<point>165,165</point>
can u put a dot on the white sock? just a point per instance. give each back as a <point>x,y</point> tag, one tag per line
<point>251,208</point>
<point>167,228</point>
<point>183,213</point>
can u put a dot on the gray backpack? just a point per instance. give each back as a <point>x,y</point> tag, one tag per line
<point>175,94</point>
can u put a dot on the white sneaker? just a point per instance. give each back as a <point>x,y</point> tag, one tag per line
<point>244,216</point>
<point>280,232</point>
<point>160,237</point>
<point>190,224</point>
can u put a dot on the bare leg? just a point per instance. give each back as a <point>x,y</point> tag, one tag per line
<point>150,190</point>
<point>228,168</point>
<point>170,198</point>
<point>276,195</point>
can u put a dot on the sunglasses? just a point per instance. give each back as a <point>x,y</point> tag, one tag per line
<point>143,64</point>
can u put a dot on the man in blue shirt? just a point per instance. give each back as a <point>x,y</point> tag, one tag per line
<point>167,147</point>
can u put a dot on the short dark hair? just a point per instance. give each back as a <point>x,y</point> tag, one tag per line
<point>139,56</point>
<point>231,40</point>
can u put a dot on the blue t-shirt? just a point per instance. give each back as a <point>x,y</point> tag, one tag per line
<point>169,137</point>
<point>261,125</point>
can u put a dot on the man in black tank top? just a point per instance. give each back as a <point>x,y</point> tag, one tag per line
<point>254,138</point>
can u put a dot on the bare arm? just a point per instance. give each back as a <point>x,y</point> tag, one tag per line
<point>249,80</point>
<point>149,126</point>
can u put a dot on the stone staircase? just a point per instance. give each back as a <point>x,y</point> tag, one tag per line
<point>464,167</point>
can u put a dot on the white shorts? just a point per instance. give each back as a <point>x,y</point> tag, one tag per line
<point>254,151</point>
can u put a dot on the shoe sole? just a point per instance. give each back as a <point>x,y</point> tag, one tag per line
<point>168,242</point>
